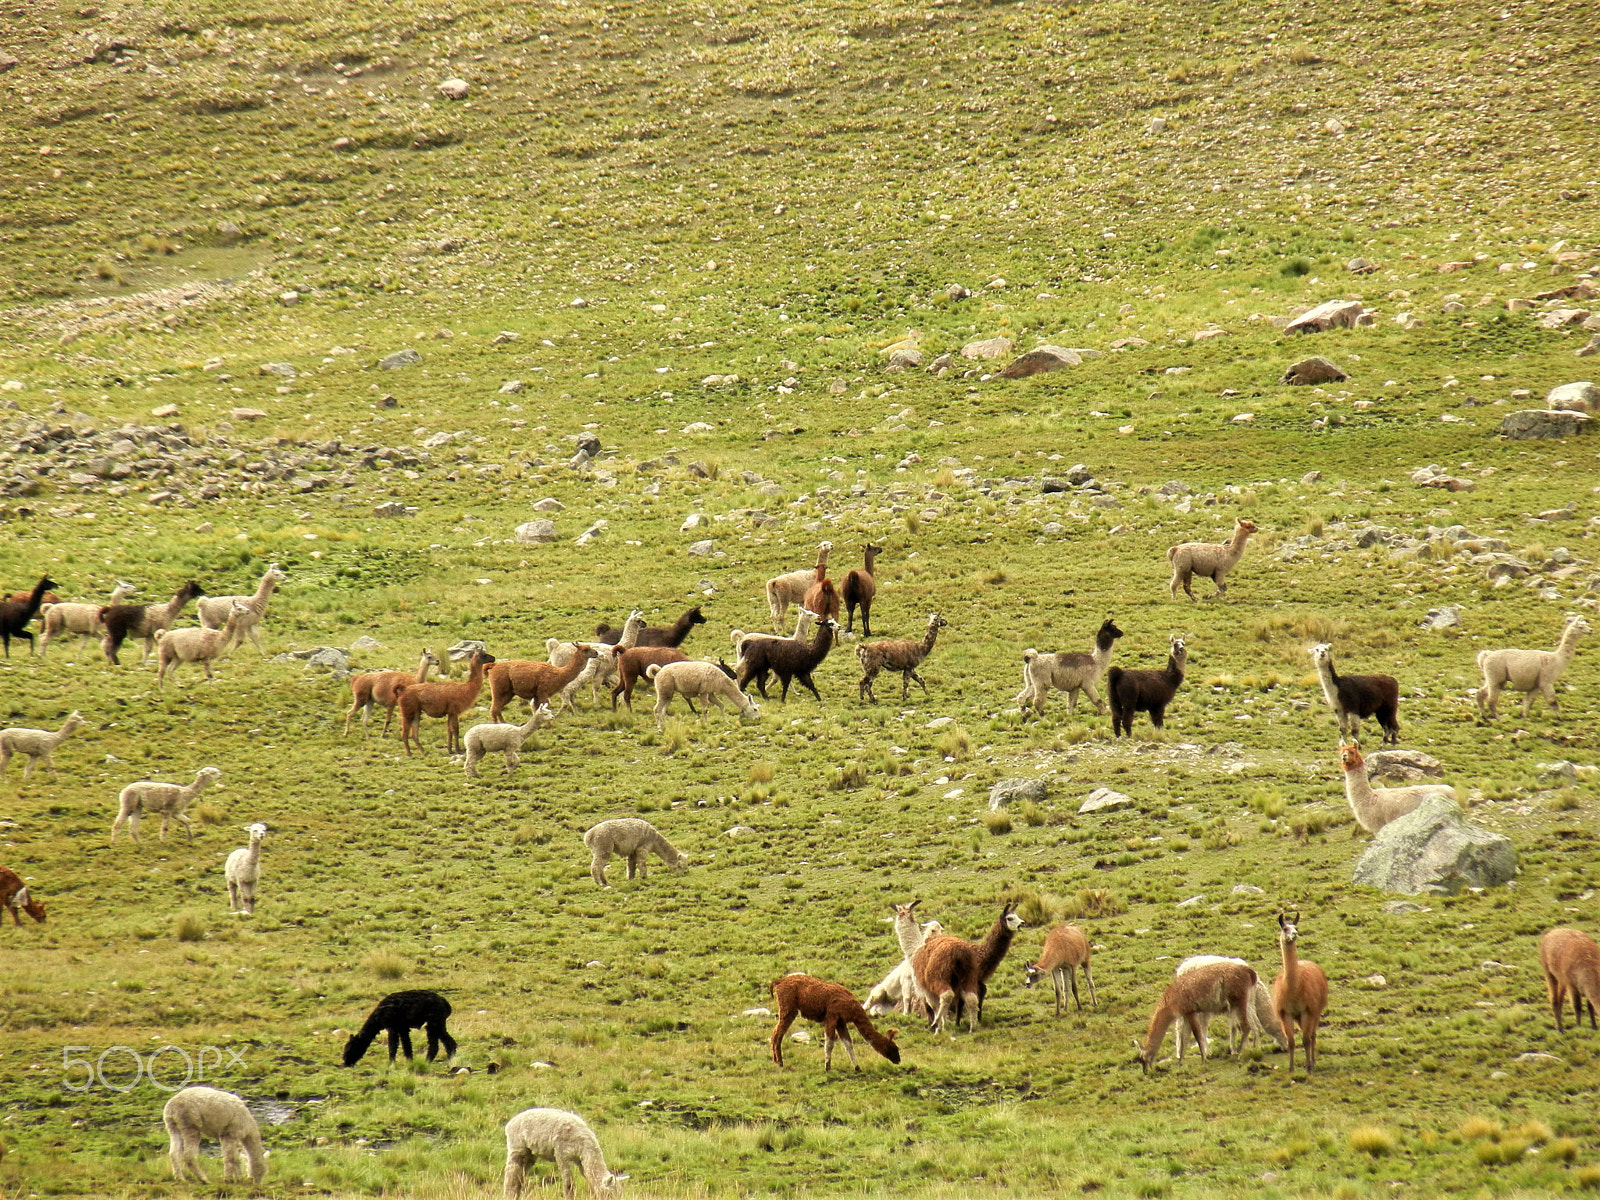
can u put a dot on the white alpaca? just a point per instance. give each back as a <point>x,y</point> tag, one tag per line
<point>214,610</point>
<point>38,744</point>
<point>199,645</point>
<point>1528,671</point>
<point>790,588</point>
<point>243,871</point>
<point>1263,1018</point>
<point>168,799</point>
<point>56,619</point>
<point>201,1112</point>
<point>602,668</point>
<point>563,1138</point>
<point>897,991</point>
<point>506,739</point>
<point>697,681</point>
<point>633,839</point>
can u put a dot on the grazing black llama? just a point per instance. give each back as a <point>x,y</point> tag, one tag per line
<point>788,659</point>
<point>1145,690</point>
<point>655,635</point>
<point>398,1014</point>
<point>15,615</point>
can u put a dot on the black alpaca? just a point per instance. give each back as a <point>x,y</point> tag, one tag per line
<point>655,635</point>
<point>15,615</point>
<point>1145,691</point>
<point>398,1014</point>
<point>788,659</point>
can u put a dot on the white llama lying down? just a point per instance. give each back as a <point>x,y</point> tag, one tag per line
<point>1263,1017</point>
<point>697,681</point>
<point>897,991</point>
<point>168,799</point>
<point>505,739</point>
<point>633,839</point>
<point>201,1112</point>
<point>563,1138</point>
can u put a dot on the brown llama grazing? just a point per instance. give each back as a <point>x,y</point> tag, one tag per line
<point>1571,963</point>
<point>449,699</point>
<point>832,1004</point>
<point>14,898</point>
<point>1146,690</point>
<point>859,589</point>
<point>1065,950</point>
<point>1354,698</point>
<point>1208,560</point>
<point>123,621</point>
<point>788,659</point>
<point>949,969</point>
<point>1222,987</point>
<point>15,614</point>
<point>535,682</point>
<point>1299,994</point>
<point>654,635</point>
<point>378,687</point>
<point>903,655</point>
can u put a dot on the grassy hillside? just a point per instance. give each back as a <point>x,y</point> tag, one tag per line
<point>694,231</point>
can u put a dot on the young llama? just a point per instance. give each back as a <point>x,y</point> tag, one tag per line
<point>1299,994</point>
<point>243,872</point>
<point>379,687</point>
<point>1066,949</point>
<point>833,1005</point>
<point>197,1113</point>
<point>1208,560</point>
<point>1527,671</point>
<point>82,619</point>
<point>169,799</point>
<point>214,610</point>
<point>897,991</point>
<point>634,839</point>
<point>1376,807</point>
<point>15,898</point>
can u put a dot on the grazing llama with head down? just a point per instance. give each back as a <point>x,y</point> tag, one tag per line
<point>15,898</point>
<point>634,839</point>
<point>1069,671</point>
<point>1263,1018</point>
<point>951,969</point>
<point>902,655</point>
<point>1299,994</point>
<point>397,1014</point>
<point>1208,560</point>
<point>1376,807</point>
<point>711,682</point>
<point>832,1004</point>
<point>1222,987</point>
<point>1066,949</point>
<point>563,1138</point>
<point>1145,690</point>
<point>1354,698</point>
<point>1571,963</point>
<point>197,1113</point>
<point>1528,671</point>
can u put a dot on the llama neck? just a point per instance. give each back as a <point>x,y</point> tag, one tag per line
<point>1237,541</point>
<point>1160,1021</point>
<point>1291,965</point>
<point>928,639</point>
<point>1103,646</point>
<point>164,613</point>
<point>870,558</point>
<point>252,856</point>
<point>423,668</point>
<point>1175,667</point>
<point>594,1168</point>
<point>1330,681</point>
<point>534,721</point>
<point>907,932</point>
<point>994,948</point>
<point>1567,646</point>
<point>572,670</point>
<point>198,786</point>
<point>268,585</point>
<point>1357,787</point>
<point>630,632</point>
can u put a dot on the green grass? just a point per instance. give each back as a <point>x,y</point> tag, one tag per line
<point>779,194</point>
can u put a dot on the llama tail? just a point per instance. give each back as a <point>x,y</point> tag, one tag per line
<point>1172,553</point>
<point>1482,654</point>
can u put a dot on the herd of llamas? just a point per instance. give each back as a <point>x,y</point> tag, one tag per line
<point>940,979</point>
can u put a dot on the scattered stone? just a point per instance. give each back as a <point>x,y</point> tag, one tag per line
<point>1537,1056</point>
<point>164,410</point>
<point>549,504</point>
<point>1557,772</point>
<point>511,387</point>
<point>693,521</point>
<point>1586,351</point>
<point>994,347</point>
<point>365,642</point>
<point>286,370</point>
<point>504,336</point>
<point>1333,314</point>
<point>1376,981</point>
<point>578,302</point>
<point>1536,423</point>
<point>1311,477</point>
<point>455,89</point>
<point>699,427</point>
<point>943,363</point>
<point>903,358</point>
<point>342,144</point>
<point>594,531</point>
<point>228,233</point>
<point>1560,318</point>
<point>756,1012</point>
<point>288,299</point>
<point>1038,361</point>
<point>406,357</point>
<point>1399,908</point>
<point>248,414</point>
<point>1437,850</point>
<point>1441,618</point>
<point>465,649</point>
<point>1104,798</point>
<point>1410,766</point>
<point>1574,397</point>
<point>702,548</point>
<point>533,533</point>
<point>1247,889</point>
<point>956,292</point>
<point>1360,266</point>
<point>1192,901</point>
<point>330,658</point>
<point>1245,418</point>
<point>739,831</point>
<point>1009,791</point>
<point>1129,343</point>
<point>1078,475</point>
<point>1313,370</point>
<point>389,508</point>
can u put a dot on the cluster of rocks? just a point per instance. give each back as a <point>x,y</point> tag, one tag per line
<point>1435,850</point>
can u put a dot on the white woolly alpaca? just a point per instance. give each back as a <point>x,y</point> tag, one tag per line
<point>168,799</point>
<point>243,871</point>
<point>1263,1019</point>
<point>602,668</point>
<point>1376,807</point>
<point>197,644</point>
<point>1528,671</point>
<point>214,610</point>
<point>897,991</point>
<point>197,1113</point>
<point>802,630</point>
<point>563,1138</point>
<point>633,839</point>
<point>37,744</point>
<point>490,738</point>
<point>791,588</point>
<point>697,681</point>
<point>84,619</point>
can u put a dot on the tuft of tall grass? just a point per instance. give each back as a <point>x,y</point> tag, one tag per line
<point>1373,1140</point>
<point>385,964</point>
<point>190,927</point>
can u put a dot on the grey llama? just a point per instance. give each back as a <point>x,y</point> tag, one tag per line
<point>633,839</point>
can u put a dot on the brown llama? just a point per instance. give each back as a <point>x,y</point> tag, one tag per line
<point>832,1004</point>
<point>535,682</point>
<point>378,687</point>
<point>822,597</point>
<point>1065,950</point>
<point>1299,994</point>
<point>1222,987</point>
<point>14,897</point>
<point>632,665</point>
<point>449,699</point>
<point>949,969</point>
<point>17,612</point>
<point>859,589</point>
<point>654,635</point>
<point>1208,560</point>
<point>1571,962</point>
<point>901,654</point>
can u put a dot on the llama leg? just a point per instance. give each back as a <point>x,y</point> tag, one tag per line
<point>1577,1008</point>
<point>516,1175</point>
<point>1308,1034</point>
<point>1158,718</point>
<point>920,682</point>
<point>1056,987</point>
<point>564,1165</point>
<point>188,825</point>
<point>785,1019</point>
<point>1547,689</point>
<point>405,1044</point>
<point>974,1005</point>
<point>1557,995</point>
<point>27,768</point>
<point>433,1043</point>
<point>633,863</point>
<point>597,868</point>
<point>1288,1032</point>
<point>233,896</point>
<point>644,864</point>
<point>448,1041</point>
<point>189,1151</point>
<point>249,898</point>
<point>1072,978</point>
<point>811,687</point>
<point>232,1153</point>
<point>1093,999</point>
<point>849,1046</point>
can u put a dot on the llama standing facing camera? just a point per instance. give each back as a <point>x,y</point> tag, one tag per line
<point>243,871</point>
<point>1146,690</point>
<point>1354,698</point>
<point>1299,994</point>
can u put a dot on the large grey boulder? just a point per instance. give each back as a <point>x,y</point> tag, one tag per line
<point>1103,798</point>
<point>1544,423</point>
<point>1313,370</point>
<point>1435,849</point>
<point>1335,314</point>
<point>532,533</point>
<point>1039,360</point>
<point>1013,791</point>
<point>1411,766</point>
<point>1574,397</point>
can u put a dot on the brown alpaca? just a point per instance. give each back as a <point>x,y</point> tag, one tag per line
<point>442,698</point>
<point>832,1004</point>
<point>822,597</point>
<point>951,970</point>
<point>1222,987</point>
<point>123,621</point>
<point>535,682</point>
<point>379,687</point>
<point>1065,950</point>
<point>631,665</point>
<point>14,896</point>
<point>859,590</point>
<point>1571,962</point>
<point>901,654</point>
<point>1299,994</point>
<point>1208,560</point>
